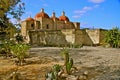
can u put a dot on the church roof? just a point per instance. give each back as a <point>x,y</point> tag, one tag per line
<point>53,17</point>
<point>63,17</point>
<point>29,19</point>
<point>41,14</point>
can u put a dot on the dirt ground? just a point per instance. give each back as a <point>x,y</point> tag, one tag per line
<point>100,63</point>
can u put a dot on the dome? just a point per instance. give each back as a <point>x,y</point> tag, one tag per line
<point>29,19</point>
<point>42,14</point>
<point>54,17</point>
<point>63,17</point>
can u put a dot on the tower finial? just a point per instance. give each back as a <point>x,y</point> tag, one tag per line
<point>63,13</point>
<point>53,14</point>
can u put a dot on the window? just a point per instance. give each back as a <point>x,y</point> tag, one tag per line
<point>32,26</point>
<point>47,26</point>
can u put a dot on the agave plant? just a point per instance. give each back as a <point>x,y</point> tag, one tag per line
<point>53,75</point>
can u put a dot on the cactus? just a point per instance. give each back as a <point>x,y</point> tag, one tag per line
<point>69,65</point>
<point>68,61</point>
<point>65,53</point>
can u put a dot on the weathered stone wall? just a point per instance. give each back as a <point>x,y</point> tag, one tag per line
<point>94,35</point>
<point>81,37</point>
<point>102,36</point>
<point>97,36</point>
<point>60,25</point>
<point>24,29</point>
<point>50,37</point>
<point>69,35</point>
<point>69,25</point>
<point>47,24</point>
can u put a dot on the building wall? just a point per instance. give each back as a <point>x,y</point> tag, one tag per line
<point>60,25</point>
<point>47,24</point>
<point>81,37</point>
<point>24,29</point>
<point>102,36</point>
<point>69,35</point>
<point>47,37</point>
<point>94,35</point>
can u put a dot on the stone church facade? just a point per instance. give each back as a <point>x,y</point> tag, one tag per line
<point>45,30</point>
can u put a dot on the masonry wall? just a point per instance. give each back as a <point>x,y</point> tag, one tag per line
<point>24,28</point>
<point>69,35</point>
<point>50,37</point>
<point>94,35</point>
<point>81,37</point>
<point>102,36</point>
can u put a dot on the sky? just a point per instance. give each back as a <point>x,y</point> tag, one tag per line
<point>103,14</point>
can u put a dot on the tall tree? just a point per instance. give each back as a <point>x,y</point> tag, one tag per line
<point>13,8</point>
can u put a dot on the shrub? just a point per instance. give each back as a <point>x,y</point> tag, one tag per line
<point>113,37</point>
<point>19,50</point>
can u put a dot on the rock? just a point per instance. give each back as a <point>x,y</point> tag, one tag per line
<point>72,77</point>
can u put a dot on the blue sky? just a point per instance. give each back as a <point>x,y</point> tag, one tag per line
<point>90,13</point>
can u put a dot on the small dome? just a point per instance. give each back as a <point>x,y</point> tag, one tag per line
<point>29,19</point>
<point>54,17</point>
<point>63,17</point>
<point>42,14</point>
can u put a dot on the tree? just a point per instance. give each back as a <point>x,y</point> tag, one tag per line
<point>113,37</point>
<point>12,8</point>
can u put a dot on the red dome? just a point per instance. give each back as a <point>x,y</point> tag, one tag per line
<point>63,18</point>
<point>42,14</point>
<point>29,19</point>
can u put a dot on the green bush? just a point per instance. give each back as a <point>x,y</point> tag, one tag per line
<point>113,37</point>
<point>20,51</point>
<point>5,49</point>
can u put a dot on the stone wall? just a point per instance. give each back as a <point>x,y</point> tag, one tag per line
<point>47,37</point>
<point>23,29</point>
<point>69,35</point>
<point>102,36</point>
<point>97,36</point>
<point>94,35</point>
<point>81,37</point>
<point>47,24</point>
<point>66,36</point>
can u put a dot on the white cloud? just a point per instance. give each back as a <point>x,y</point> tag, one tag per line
<point>84,10</point>
<point>96,1</point>
<point>79,13</point>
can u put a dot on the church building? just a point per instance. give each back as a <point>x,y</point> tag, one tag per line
<point>46,30</point>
